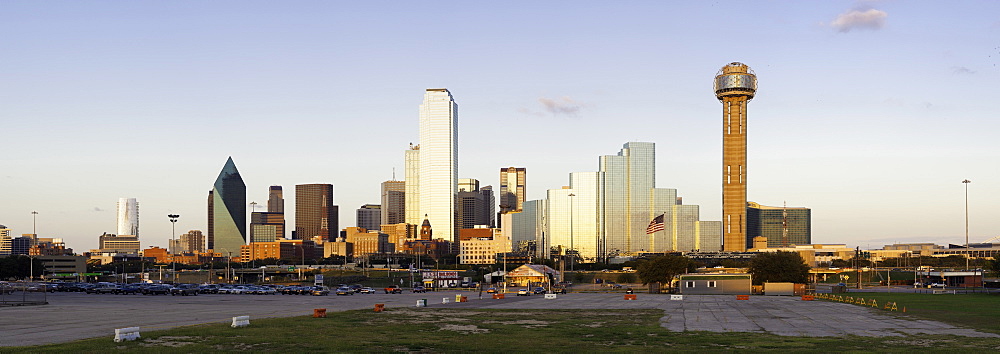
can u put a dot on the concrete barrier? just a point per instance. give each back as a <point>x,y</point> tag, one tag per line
<point>422,303</point>
<point>630,297</point>
<point>676,297</point>
<point>808,298</point>
<point>550,296</point>
<point>241,321</point>
<point>742,297</point>
<point>127,333</point>
<point>379,307</point>
<point>444,300</point>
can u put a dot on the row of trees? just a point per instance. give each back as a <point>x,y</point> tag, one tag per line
<point>765,267</point>
<point>18,267</point>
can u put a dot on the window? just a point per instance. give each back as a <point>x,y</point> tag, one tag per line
<point>711,284</point>
<point>689,284</point>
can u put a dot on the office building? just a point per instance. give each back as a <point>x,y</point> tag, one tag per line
<point>267,226</point>
<point>470,210</point>
<point>438,156</point>
<point>369,216</point>
<point>393,202</point>
<point>367,241</point>
<point>192,242</point>
<point>735,85</point>
<point>468,184</point>
<point>227,215</point>
<point>128,216</point>
<point>294,251</point>
<point>412,185</point>
<point>512,189</point>
<point>21,245</point>
<point>481,245</point>
<point>275,200</point>
<point>398,233</point>
<point>490,210</point>
<point>315,212</point>
<point>5,241</point>
<point>782,226</point>
<point>529,226</point>
<point>111,243</point>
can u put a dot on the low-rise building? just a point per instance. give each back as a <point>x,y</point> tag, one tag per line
<point>714,284</point>
<point>477,249</point>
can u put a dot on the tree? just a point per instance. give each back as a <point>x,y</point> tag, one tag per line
<point>626,278</point>
<point>782,267</point>
<point>662,269</point>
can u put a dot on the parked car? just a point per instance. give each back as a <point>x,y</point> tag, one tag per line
<point>394,289</point>
<point>320,291</point>
<point>208,289</point>
<point>523,292</point>
<point>538,290</point>
<point>128,289</point>
<point>184,290</point>
<point>103,289</point>
<point>419,289</point>
<point>937,285</point>
<point>491,291</point>
<point>156,290</point>
<point>558,290</point>
<point>367,290</point>
<point>347,291</point>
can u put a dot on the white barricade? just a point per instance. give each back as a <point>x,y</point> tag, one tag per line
<point>550,296</point>
<point>676,297</point>
<point>127,333</point>
<point>241,321</point>
<point>444,300</point>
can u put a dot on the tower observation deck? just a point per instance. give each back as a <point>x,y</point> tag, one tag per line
<point>735,85</point>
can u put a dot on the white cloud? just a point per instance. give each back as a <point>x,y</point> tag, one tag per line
<point>961,70</point>
<point>562,105</point>
<point>870,19</point>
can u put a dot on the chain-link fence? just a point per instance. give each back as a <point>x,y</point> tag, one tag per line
<point>24,293</point>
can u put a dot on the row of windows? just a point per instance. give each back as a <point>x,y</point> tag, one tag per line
<point>710,284</point>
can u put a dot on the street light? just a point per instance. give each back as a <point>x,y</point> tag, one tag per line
<point>173,237</point>
<point>34,234</point>
<point>966,183</point>
<point>572,258</point>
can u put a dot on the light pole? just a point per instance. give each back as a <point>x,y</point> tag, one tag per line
<point>34,234</point>
<point>572,256</point>
<point>966,183</point>
<point>173,237</point>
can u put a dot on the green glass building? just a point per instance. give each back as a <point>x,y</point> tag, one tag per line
<point>227,211</point>
<point>783,226</point>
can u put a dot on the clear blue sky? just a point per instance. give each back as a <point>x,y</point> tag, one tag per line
<point>870,113</point>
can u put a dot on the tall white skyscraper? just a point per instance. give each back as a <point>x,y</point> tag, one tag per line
<point>438,173</point>
<point>412,186</point>
<point>128,216</point>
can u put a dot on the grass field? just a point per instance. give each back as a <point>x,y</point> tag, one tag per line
<point>456,330</point>
<point>979,311</point>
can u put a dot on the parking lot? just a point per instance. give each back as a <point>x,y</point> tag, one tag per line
<point>72,316</point>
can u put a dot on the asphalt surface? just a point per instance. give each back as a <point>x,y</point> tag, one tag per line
<point>73,316</point>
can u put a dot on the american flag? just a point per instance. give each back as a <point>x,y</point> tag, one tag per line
<point>655,225</point>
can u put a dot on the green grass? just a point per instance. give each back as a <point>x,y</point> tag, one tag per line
<point>477,330</point>
<point>979,311</point>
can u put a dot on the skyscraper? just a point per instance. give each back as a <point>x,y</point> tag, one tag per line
<point>393,203</point>
<point>227,222</point>
<point>438,157</point>
<point>5,241</point>
<point>735,86</point>
<point>369,216</point>
<point>490,210</point>
<point>782,226</point>
<point>128,216</point>
<point>192,242</point>
<point>512,189</point>
<point>627,194</point>
<point>267,226</point>
<point>275,200</point>
<point>412,186</point>
<point>315,213</point>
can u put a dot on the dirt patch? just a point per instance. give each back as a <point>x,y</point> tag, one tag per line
<point>168,341</point>
<point>594,325</point>
<point>466,329</point>
<point>525,323</point>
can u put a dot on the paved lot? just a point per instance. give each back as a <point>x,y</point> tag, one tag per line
<point>72,316</point>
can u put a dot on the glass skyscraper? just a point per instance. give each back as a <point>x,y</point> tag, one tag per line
<point>783,226</point>
<point>438,155</point>
<point>128,216</point>
<point>227,231</point>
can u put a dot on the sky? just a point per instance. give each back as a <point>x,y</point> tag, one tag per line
<point>871,113</point>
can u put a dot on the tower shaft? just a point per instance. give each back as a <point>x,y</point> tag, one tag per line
<point>734,173</point>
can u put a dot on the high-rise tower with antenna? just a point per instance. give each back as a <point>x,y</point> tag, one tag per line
<point>735,86</point>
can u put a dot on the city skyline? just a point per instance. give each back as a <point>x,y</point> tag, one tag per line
<point>838,127</point>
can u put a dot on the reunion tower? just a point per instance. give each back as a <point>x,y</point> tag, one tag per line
<point>735,85</point>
